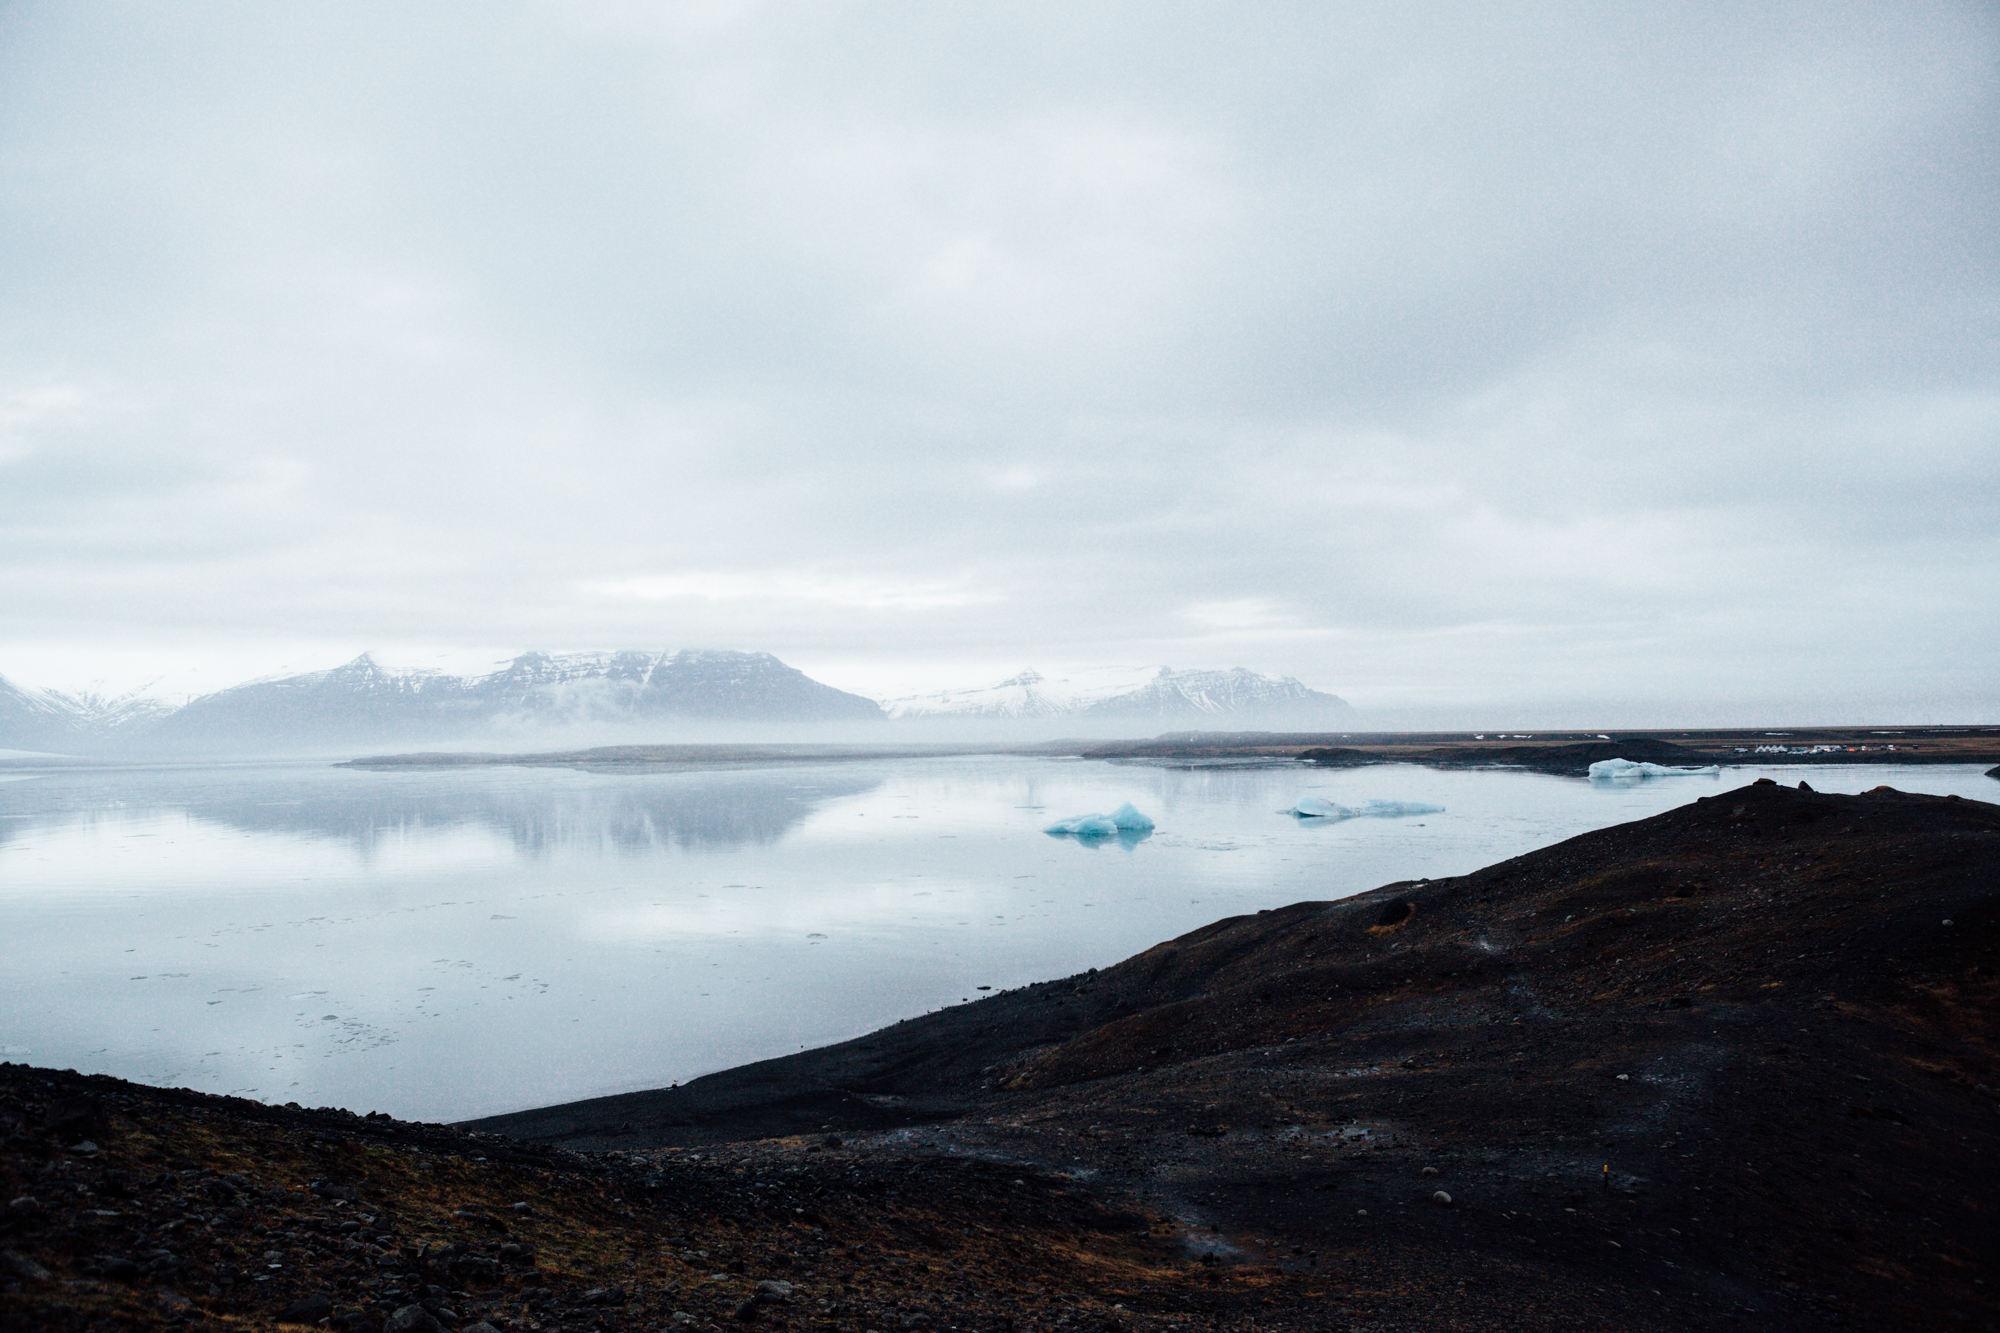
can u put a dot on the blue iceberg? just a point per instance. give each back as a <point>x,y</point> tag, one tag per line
<point>1125,817</point>
<point>1084,826</point>
<point>1124,820</point>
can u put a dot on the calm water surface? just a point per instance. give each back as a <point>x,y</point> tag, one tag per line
<point>461,942</point>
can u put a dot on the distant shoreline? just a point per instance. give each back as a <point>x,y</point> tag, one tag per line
<point>1570,752</point>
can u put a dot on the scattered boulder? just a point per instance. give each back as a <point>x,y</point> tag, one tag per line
<point>307,1310</point>
<point>1441,1199</point>
<point>771,1291</point>
<point>71,1118</point>
<point>413,1319</point>
<point>21,1266</point>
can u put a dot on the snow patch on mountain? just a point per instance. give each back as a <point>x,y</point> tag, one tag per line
<point>1027,695</point>
<point>1123,693</point>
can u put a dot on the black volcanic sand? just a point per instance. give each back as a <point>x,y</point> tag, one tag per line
<point>1728,1067</point>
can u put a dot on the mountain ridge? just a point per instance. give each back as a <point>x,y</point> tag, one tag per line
<point>594,697</point>
<point>1121,695</point>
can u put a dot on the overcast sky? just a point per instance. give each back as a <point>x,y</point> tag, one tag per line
<point>1618,363</point>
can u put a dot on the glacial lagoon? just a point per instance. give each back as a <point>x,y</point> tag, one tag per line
<point>442,944</point>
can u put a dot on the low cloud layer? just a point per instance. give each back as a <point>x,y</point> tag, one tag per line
<point>1445,358</point>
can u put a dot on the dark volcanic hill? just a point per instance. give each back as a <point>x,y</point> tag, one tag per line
<point>1733,1062</point>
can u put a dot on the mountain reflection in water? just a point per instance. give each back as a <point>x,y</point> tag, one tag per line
<point>538,811</point>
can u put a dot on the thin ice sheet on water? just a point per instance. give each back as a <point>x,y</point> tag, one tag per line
<point>1314,807</point>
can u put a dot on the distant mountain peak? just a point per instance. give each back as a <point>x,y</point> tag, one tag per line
<point>1132,696</point>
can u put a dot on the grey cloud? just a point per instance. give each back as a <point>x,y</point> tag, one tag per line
<point>1424,353</point>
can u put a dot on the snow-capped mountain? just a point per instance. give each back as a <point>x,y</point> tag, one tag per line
<point>111,715</point>
<point>1027,695</point>
<point>550,701</point>
<point>1132,699</point>
<point>589,695</point>
<point>36,720</point>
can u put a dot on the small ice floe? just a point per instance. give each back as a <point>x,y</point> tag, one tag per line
<point>1314,807</point>
<point>1125,821</point>
<point>1626,770</point>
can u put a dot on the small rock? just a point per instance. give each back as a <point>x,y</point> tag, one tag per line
<point>524,1208</point>
<point>1430,1171</point>
<point>118,1270</point>
<point>413,1319</point>
<point>72,1117</point>
<point>481,1327</point>
<point>772,1291</point>
<point>1441,1199</point>
<point>1622,1078</point>
<point>597,1296</point>
<point>747,1312</point>
<point>26,1205</point>
<point>308,1310</point>
<point>21,1266</point>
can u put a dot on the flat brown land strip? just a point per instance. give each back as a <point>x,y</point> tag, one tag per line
<point>1564,752</point>
<point>1574,752</point>
<point>612,758</point>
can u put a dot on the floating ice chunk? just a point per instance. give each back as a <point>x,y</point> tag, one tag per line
<point>1626,770</point>
<point>1084,826</point>
<point>1314,807</point>
<point>1124,820</point>
<point>1126,817</point>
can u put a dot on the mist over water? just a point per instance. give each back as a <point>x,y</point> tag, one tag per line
<point>443,944</point>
